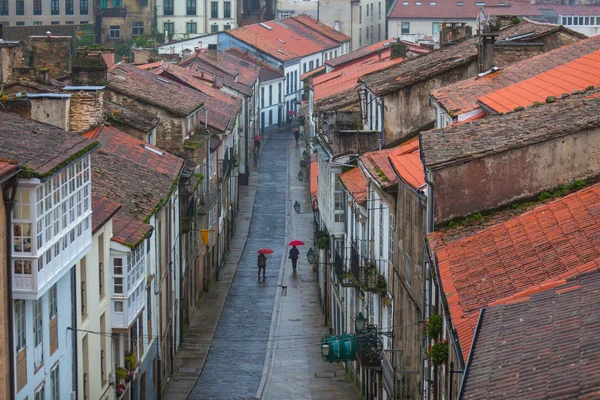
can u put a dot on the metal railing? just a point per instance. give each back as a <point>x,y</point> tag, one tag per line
<point>369,348</point>
<point>206,197</point>
<point>343,273</point>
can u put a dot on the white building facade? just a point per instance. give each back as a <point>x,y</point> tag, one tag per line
<point>191,18</point>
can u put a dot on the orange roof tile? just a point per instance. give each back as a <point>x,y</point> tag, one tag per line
<point>102,210</point>
<point>151,66</point>
<point>377,164</point>
<point>323,29</point>
<point>8,167</point>
<point>461,97</point>
<point>354,181</point>
<point>406,161</point>
<point>312,73</point>
<point>287,39</point>
<point>535,249</point>
<point>368,51</point>
<point>568,78</point>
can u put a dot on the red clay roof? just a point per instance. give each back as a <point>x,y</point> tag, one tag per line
<point>129,231</point>
<point>444,10</point>
<point>267,73</point>
<point>406,161</point>
<point>550,242</point>
<point>151,66</point>
<point>461,97</point>
<point>368,51</point>
<point>323,29</point>
<point>377,164</point>
<point>356,184</point>
<point>102,210</point>
<point>568,78</point>
<point>315,71</point>
<point>245,73</point>
<point>287,39</point>
<point>8,167</point>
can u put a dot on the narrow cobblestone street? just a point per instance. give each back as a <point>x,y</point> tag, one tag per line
<point>260,339</point>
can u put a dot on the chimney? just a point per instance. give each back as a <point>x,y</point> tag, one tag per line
<point>487,49</point>
<point>85,110</point>
<point>397,50</point>
<point>212,51</point>
<point>44,75</point>
<point>89,68</point>
<point>336,25</point>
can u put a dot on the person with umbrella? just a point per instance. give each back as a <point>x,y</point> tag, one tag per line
<point>294,252</point>
<point>262,262</point>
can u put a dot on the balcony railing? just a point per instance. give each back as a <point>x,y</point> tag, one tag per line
<point>207,197</point>
<point>366,273</point>
<point>343,273</point>
<point>369,348</point>
<point>114,12</point>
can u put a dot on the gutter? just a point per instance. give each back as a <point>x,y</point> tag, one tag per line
<point>471,351</point>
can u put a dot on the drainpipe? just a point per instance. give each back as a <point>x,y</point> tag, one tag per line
<point>9,203</point>
<point>380,105</point>
<point>74,325</point>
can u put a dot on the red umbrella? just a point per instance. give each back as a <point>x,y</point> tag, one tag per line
<point>265,251</point>
<point>296,243</point>
<point>257,137</point>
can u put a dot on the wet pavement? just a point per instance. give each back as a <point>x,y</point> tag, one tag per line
<point>234,365</point>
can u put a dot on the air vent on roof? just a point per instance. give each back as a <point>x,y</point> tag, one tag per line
<point>432,3</point>
<point>405,3</point>
<point>419,3</point>
<point>460,3</point>
<point>160,153</point>
<point>280,51</point>
<point>120,77</point>
<point>265,26</point>
<point>160,78</point>
<point>480,3</point>
<point>386,44</point>
<point>294,37</point>
<point>281,41</point>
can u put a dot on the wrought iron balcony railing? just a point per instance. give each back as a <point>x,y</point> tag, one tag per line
<point>206,197</point>
<point>369,347</point>
<point>343,273</point>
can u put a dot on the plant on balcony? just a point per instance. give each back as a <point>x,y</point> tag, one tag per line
<point>323,240</point>
<point>130,361</point>
<point>434,326</point>
<point>121,373</point>
<point>381,283</point>
<point>120,390</point>
<point>438,353</point>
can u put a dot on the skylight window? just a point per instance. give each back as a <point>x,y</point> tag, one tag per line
<point>160,153</point>
<point>480,3</point>
<point>432,3</point>
<point>281,41</point>
<point>265,26</point>
<point>280,51</point>
<point>419,3</point>
<point>160,78</point>
<point>460,3</point>
<point>405,3</point>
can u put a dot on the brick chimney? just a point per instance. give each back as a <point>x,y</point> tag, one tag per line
<point>453,32</point>
<point>85,111</point>
<point>397,49</point>
<point>212,51</point>
<point>89,68</point>
<point>487,49</point>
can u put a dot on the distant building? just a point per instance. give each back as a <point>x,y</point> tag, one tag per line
<point>53,12</point>
<point>187,19</point>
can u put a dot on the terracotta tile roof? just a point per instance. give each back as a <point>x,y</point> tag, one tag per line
<point>534,248</point>
<point>37,146</point>
<point>406,162</point>
<point>222,108</point>
<point>444,9</point>
<point>323,29</point>
<point>377,164</point>
<point>309,74</point>
<point>287,39</point>
<point>130,174</point>
<point>102,210</point>
<point>461,97</point>
<point>497,133</point>
<point>568,78</point>
<point>207,72</point>
<point>540,348</point>
<point>354,181</point>
<point>151,89</point>
<point>314,175</point>
<point>337,89</point>
<point>8,168</point>
<point>266,73</point>
<point>368,51</point>
<point>139,120</point>
<point>440,61</point>
<point>246,73</point>
<point>151,66</point>
<point>535,10</point>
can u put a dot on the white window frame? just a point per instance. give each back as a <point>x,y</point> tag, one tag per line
<point>55,382</point>
<point>38,333</point>
<point>20,325</point>
<point>120,275</point>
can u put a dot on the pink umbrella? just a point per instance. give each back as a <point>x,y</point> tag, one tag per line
<point>296,243</point>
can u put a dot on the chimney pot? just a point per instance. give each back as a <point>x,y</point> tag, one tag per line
<point>48,34</point>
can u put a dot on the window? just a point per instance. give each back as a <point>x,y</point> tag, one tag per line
<point>279,92</point>
<point>68,7</point>
<point>20,9</point>
<point>367,10</point>
<point>270,95</point>
<point>37,23</point>
<point>103,4</point>
<point>37,332</point>
<point>587,21</point>
<point>168,7</point>
<point>22,222</point>
<point>379,10</point>
<point>143,3</point>
<point>270,117</point>
<point>117,3</point>
<point>460,3</point>
<point>378,32</point>
<point>304,68</point>
<point>227,9</point>
<point>391,229</point>
<point>480,3</point>
<point>115,31</point>
<point>214,9</point>
<point>359,37</point>
<point>55,383</point>
<point>214,29</point>
<point>226,27</point>
<point>311,65</point>
<point>360,14</point>
<point>137,28</point>
<point>37,7</point>
<point>52,302</point>
<point>190,27</point>
<point>295,81</point>
<point>21,23</point>
<point>118,306</point>
<point>83,8</point>
<point>54,7</point>
<point>118,276</point>
<point>190,7</point>
<point>83,289</point>
<point>40,394</point>
<point>262,97</point>
<point>169,27</point>
<point>372,12</point>
<point>20,324</point>
<point>436,28</point>
<point>367,33</point>
<point>318,62</point>
<point>405,28</point>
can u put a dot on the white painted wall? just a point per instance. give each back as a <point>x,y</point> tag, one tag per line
<point>422,27</point>
<point>272,104</point>
<point>203,17</point>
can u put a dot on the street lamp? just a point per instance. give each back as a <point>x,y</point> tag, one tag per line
<point>297,207</point>
<point>325,347</point>
<point>310,255</point>
<point>300,176</point>
<point>359,322</point>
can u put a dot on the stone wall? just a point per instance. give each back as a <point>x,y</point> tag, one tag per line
<point>143,56</point>
<point>503,178</point>
<point>51,111</point>
<point>10,58</point>
<point>133,13</point>
<point>85,111</point>
<point>89,69</point>
<point>54,53</point>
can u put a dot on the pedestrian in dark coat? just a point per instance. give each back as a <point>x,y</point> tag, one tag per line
<point>294,253</point>
<point>262,264</point>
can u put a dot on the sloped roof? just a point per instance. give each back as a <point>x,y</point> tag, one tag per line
<point>284,39</point>
<point>445,10</point>
<point>24,32</point>
<point>560,237</point>
<point>568,78</point>
<point>134,174</point>
<point>368,51</point>
<point>246,73</point>
<point>535,10</point>
<point>102,210</point>
<point>406,162</point>
<point>267,73</point>
<point>157,91</point>
<point>8,168</point>
<point>40,147</point>
<point>323,29</point>
<point>309,74</point>
<point>542,346</point>
<point>209,73</point>
<point>354,181</point>
<point>137,119</point>
<point>442,60</point>
<point>498,133</point>
<point>461,97</point>
<point>377,164</point>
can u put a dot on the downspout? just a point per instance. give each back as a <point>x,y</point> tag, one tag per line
<point>158,313</point>
<point>74,326</point>
<point>380,104</point>
<point>9,204</point>
<point>181,296</point>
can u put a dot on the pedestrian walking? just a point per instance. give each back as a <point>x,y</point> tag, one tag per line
<point>256,152</point>
<point>262,265</point>
<point>294,253</point>
<point>297,135</point>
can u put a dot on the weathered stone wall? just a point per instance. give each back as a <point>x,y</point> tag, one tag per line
<point>143,56</point>
<point>89,69</point>
<point>522,173</point>
<point>134,13</point>
<point>51,111</point>
<point>10,58</point>
<point>85,111</point>
<point>506,55</point>
<point>407,111</point>
<point>54,53</point>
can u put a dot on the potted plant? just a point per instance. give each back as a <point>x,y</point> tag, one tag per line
<point>121,373</point>
<point>438,353</point>
<point>434,326</point>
